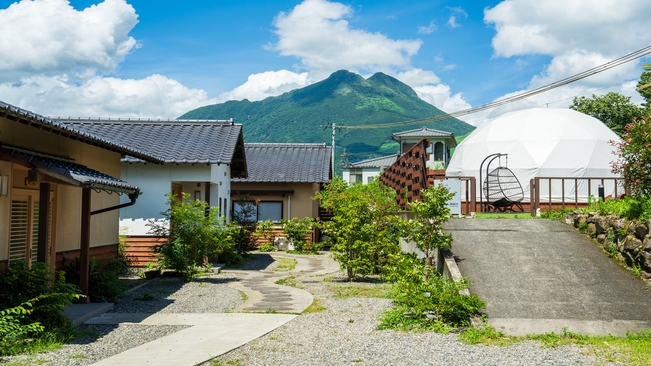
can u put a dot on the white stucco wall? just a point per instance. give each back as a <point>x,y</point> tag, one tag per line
<point>366,174</point>
<point>155,181</point>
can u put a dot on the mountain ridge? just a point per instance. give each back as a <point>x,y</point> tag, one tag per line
<point>344,98</point>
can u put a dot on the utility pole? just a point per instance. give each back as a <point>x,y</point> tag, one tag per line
<point>334,170</point>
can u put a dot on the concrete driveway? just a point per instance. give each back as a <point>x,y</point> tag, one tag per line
<point>539,276</point>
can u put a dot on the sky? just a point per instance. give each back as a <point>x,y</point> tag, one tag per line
<point>160,59</point>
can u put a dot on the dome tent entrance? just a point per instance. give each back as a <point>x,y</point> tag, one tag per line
<point>541,142</point>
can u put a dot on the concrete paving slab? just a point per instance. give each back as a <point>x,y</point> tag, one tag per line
<point>79,313</point>
<point>209,336</point>
<point>545,270</point>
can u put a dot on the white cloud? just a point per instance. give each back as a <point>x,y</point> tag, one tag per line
<point>429,29</point>
<point>457,11</point>
<point>315,31</point>
<point>268,84</point>
<point>153,96</point>
<point>50,37</point>
<point>417,77</point>
<point>554,27</point>
<point>449,67</point>
<point>578,35</point>
<point>441,96</point>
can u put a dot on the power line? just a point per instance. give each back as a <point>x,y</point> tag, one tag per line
<point>595,70</point>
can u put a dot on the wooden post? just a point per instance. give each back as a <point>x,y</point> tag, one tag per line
<point>84,256</point>
<point>532,197</point>
<point>43,254</point>
<point>207,194</point>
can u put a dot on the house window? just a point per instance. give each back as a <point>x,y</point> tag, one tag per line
<point>370,179</point>
<point>249,211</point>
<point>356,178</point>
<point>270,210</point>
<point>245,211</point>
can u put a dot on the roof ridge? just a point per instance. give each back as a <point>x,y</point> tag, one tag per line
<point>289,144</point>
<point>142,120</point>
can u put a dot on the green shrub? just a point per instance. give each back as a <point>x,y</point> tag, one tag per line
<point>20,284</point>
<point>196,232</point>
<point>266,248</point>
<point>16,329</point>
<point>104,285</point>
<point>415,296</point>
<point>297,230</point>
<point>265,231</point>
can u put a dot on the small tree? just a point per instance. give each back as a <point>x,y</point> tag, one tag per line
<point>245,223</point>
<point>363,228</point>
<point>194,232</point>
<point>427,229</point>
<point>613,109</point>
<point>634,152</point>
<point>297,230</point>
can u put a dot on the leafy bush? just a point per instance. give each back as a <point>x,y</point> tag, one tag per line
<point>422,302</point>
<point>20,284</point>
<point>297,230</point>
<point>244,224</point>
<point>634,152</point>
<point>265,231</point>
<point>363,230</point>
<point>196,232</point>
<point>266,248</point>
<point>15,329</point>
<point>103,282</point>
<point>627,207</point>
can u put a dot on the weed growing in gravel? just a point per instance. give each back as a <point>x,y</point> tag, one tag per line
<point>348,291</point>
<point>315,307</point>
<point>285,265</point>
<point>244,296</point>
<point>633,349</point>
<point>288,281</point>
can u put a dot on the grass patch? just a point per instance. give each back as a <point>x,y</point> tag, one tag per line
<point>288,281</point>
<point>347,291</point>
<point>285,265</point>
<point>244,296</point>
<point>315,307</point>
<point>633,349</point>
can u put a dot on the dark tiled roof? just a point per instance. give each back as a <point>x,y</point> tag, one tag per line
<point>422,132</point>
<point>68,171</point>
<point>26,117</point>
<point>381,162</point>
<point>288,163</point>
<point>174,141</point>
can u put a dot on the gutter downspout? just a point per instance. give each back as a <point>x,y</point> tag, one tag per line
<point>132,196</point>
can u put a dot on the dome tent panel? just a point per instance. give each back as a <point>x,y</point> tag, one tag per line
<point>551,143</point>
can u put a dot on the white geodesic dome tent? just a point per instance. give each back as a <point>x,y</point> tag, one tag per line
<point>541,142</point>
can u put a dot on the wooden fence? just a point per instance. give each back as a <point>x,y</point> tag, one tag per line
<point>407,176</point>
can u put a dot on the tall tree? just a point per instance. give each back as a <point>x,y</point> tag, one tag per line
<point>613,109</point>
<point>644,85</point>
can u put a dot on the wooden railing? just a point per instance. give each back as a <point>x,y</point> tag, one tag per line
<point>612,187</point>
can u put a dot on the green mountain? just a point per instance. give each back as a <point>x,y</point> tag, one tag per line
<point>344,98</point>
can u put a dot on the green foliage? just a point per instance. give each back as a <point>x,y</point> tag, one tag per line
<point>245,224</point>
<point>644,87</point>
<point>195,232</point>
<point>103,282</point>
<point>627,207</point>
<point>344,98</point>
<point>634,152</point>
<point>16,328</point>
<point>363,230</point>
<point>266,248</point>
<point>297,230</point>
<point>417,294</point>
<point>265,231</point>
<point>427,229</point>
<point>613,109</point>
<point>21,284</point>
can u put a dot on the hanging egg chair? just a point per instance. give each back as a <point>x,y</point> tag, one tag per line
<point>503,190</point>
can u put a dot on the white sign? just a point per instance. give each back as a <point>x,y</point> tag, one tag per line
<point>454,186</point>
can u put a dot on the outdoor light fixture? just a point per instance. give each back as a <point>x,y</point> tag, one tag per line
<point>4,185</point>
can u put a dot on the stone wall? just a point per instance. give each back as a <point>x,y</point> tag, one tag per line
<point>629,240</point>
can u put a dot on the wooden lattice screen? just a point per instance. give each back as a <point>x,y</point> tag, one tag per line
<point>408,175</point>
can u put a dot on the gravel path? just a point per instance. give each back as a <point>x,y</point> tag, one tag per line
<point>345,333</point>
<point>165,295</point>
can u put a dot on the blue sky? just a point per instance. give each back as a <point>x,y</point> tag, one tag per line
<point>159,59</point>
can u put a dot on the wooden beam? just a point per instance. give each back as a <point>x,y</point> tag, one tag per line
<point>43,254</point>
<point>207,194</point>
<point>84,253</point>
